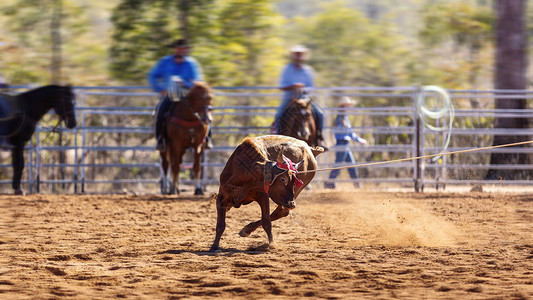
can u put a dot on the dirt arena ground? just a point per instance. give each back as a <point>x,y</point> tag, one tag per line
<point>336,245</point>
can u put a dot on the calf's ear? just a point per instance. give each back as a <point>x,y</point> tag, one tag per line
<point>280,156</point>
<point>317,150</point>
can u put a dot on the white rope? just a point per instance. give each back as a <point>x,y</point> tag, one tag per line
<point>417,157</point>
<point>447,110</point>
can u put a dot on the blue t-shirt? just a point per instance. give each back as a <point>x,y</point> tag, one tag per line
<point>292,74</point>
<point>188,70</point>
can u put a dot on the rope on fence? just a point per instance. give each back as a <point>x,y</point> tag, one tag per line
<point>447,110</point>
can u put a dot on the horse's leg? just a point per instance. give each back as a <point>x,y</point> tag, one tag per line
<point>17,161</point>
<point>278,213</point>
<point>176,155</point>
<point>313,129</point>
<point>164,167</point>
<point>196,168</point>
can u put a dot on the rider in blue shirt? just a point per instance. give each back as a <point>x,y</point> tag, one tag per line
<point>180,65</point>
<point>343,135</point>
<point>298,77</point>
<point>186,67</point>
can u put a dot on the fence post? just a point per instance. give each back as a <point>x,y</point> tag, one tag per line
<point>76,164</point>
<point>62,159</point>
<point>37,150</point>
<point>419,186</point>
<point>82,159</point>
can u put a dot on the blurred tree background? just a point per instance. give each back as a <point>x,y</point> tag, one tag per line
<point>450,43</point>
<point>245,42</point>
<point>27,52</point>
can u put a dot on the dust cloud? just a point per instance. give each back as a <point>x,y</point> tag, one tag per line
<point>370,219</point>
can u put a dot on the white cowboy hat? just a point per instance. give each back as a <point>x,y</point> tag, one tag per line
<point>300,49</point>
<point>345,101</point>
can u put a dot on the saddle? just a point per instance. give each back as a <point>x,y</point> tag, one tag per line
<point>190,125</point>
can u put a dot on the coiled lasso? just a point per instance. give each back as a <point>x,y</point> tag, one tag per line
<point>447,110</point>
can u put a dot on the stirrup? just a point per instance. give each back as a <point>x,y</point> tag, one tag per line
<point>161,144</point>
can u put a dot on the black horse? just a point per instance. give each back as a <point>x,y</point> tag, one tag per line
<point>19,115</point>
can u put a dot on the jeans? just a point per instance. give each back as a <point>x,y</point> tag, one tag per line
<point>161,108</point>
<point>318,113</point>
<point>342,156</point>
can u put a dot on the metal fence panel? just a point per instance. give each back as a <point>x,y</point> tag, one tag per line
<point>112,149</point>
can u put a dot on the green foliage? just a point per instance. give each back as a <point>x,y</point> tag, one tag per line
<point>349,49</point>
<point>464,23</point>
<point>141,31</point>
<point>247,39</point>
<point>465,30</point>
<point>292,8</point>
<point>233,40</point>
<point>244,42</point>
<point>29,16</point>
<point>144,28</point>
<point>26,58</point>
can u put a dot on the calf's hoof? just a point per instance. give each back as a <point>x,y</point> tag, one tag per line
<point>198,192</point>
<point>19,192</point>
<point>244,232</point>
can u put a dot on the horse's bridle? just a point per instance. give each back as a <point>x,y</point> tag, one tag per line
<point>303,118</point>
<point>197,111</point>
<point>66,114</point>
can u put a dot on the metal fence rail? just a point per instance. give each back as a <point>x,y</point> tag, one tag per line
<point>112,149</point>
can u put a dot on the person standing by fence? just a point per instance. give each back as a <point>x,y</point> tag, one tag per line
<point>343,135</point>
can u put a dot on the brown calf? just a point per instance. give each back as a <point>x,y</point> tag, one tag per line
<point>261,168</point>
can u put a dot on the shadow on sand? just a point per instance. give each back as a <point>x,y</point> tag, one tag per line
<point>252,250</point>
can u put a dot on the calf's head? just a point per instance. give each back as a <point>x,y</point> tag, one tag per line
<point>280,180</point>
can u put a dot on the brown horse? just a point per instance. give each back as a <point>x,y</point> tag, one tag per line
<point>186,126</point>
<point>298,122</point>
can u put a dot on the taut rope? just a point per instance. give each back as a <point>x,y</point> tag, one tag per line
<point>417,157</point>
